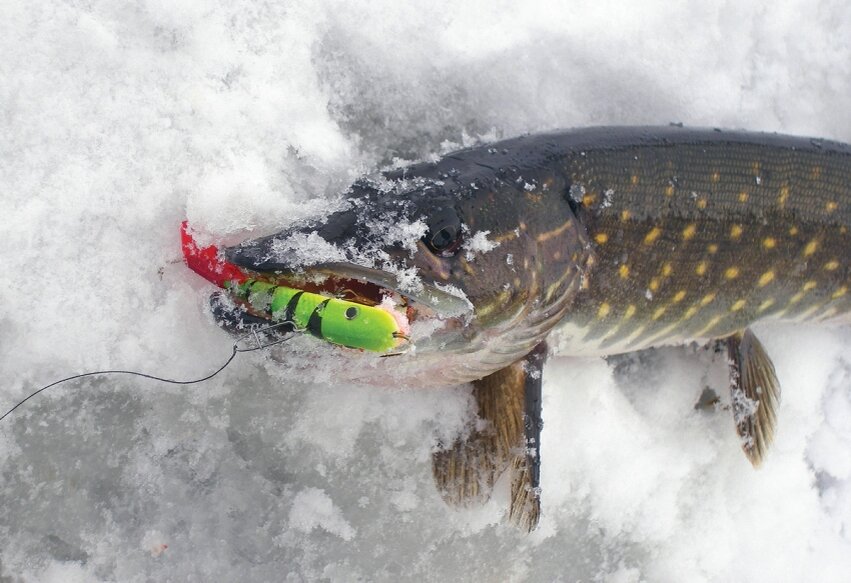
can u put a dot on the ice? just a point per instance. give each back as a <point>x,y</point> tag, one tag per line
<point>121,120</point>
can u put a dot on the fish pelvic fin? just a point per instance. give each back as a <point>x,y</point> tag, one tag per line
<point>754,394</point>
<point>506,439</point>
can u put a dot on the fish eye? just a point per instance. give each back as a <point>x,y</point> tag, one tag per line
<point>351,313</point>
<point>444,234</point>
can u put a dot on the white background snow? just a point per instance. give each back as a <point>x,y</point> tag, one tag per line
<point>117,120</point>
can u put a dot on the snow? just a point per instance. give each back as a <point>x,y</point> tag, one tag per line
<point>120,120</point>
<point>313,508</point>
<point>478,243</point>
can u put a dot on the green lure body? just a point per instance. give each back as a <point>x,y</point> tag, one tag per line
<point>334,320</point>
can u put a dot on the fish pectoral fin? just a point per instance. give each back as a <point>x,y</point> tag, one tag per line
<point>754,394</point>
<point>506,438</point>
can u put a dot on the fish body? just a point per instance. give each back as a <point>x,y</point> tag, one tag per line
<point>595,241</point>
<point>698,234</point>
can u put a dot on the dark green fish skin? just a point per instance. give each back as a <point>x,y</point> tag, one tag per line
<point>690,234</point>
<point>697,234</point>
<point>617,238</point>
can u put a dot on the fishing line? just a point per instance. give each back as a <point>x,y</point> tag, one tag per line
<point>254,334</point>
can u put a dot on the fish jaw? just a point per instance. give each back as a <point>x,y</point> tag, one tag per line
<point>430,316</point>
<point>482,266</point>
<point>452,341</point>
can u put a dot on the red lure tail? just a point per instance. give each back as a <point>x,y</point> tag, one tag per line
<point>206,262</point>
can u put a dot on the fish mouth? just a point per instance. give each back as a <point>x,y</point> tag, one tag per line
<point>374,283</point>
<point>431,315</point>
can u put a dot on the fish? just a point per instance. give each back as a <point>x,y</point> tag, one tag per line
<point>591,241</point>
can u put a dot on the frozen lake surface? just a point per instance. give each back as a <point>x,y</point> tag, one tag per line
<point>119,120</point>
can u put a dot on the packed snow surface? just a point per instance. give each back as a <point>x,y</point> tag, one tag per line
<point>118,120</point>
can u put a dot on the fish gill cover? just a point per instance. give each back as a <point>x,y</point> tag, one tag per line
<point>117,122</point>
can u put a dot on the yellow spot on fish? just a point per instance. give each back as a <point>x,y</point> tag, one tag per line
<point>738,305</point>
<point>756,167</point>
<point>654,284</point>
<point>625,215</point>
<point>667,268</point>
<point>604,310</point>
<point>669,190</point>
<point>689,231</point>
<point>712,248</point>
<point>634,179</point>
<point>517,282</point>
<point>784,196</point>
<point>743,196</point>
<point>840,292</point>
<point>793,231</point>
<point>486,309</point>
<point>707,299</point>
<point>843,229</point>
<point>816,309</point>
<point>832,265</point>
<point>830,206</point>
<point>690,312</point>
<point>589,199</point>
<point>766,278</point>
<point>769,242</point>
<point>815,173</point>
<point>810,248</point>
<point>652,235</point>
<point>546,236</point>
<point>810,285</point>
<point>658,313</point>
<point>797,297</point>
<point>701,268</point>
<point>557,255</point>
<point>551,290</point>
<point>630,312</point>
<point>828,313</point>
<point>623,270</point>
<point>736,231</point>
<point>709,325</point>
<point>765,305</point>
<point>731,272</point>
<point>678,297</point>
<point>513,234</point>
<point>601,238</point>
<point>716,176</point>
<point>636,333</point>
<point>701,203</point>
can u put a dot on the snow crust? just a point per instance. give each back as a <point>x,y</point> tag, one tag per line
<point>118,120</point>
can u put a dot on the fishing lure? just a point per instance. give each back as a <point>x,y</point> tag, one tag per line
<point>342,322</point>
<point>337,321</point>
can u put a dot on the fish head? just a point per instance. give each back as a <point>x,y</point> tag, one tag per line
<point>479,270</point>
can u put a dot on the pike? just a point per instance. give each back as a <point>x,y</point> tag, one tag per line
<point>590,241</point>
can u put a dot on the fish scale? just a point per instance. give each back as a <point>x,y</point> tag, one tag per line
<point>724,212</point>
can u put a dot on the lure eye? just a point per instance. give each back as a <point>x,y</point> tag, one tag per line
<point>444,234</point>
<point>351,313</point>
